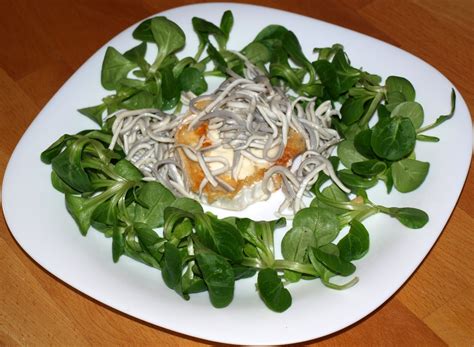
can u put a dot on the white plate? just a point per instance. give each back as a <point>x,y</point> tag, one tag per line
<point>37,217</point>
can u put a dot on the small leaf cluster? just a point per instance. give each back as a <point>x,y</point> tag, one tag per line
<point>138,84</point>
<point>386,150</point>
<point>310,249</point>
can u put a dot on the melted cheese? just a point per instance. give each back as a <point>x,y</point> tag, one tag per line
<point>247,167</point>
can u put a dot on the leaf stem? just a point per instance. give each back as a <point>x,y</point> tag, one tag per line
<point>199,51</point>
<point>253,262</point>
<point>372,108</point>
<point>345,205</point>
<point>308,269</point>
<point>340,286</point>
<point>156,64</point>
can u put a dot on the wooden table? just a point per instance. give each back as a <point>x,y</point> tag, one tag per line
<point>44,42</point>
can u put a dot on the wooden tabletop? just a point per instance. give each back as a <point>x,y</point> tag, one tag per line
<point>44,42</point>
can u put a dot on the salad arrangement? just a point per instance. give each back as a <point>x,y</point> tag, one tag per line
<point>379,126</point>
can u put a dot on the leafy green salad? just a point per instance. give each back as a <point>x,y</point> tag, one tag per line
<point>377,124</point>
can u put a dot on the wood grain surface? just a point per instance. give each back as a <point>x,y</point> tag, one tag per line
<point>43,42</point>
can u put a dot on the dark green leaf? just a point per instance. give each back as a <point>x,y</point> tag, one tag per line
<point>322,222</point>
<point>55,148</point>
<point>257,53</point>
<point>138,73</point>
<point>219,277</point>
<point>272,31</point>
<point>383,113</point>
<point>234,62</point>
<point>328,76</point>
<point>286,73</point>
<point>362,142</point>
<point>348,132</point>
<point>143,31</point>
<point>188,205</point>
<point>81,211</point>
<point>369,168</point>
<point>150,240</point>
<point>348,75</point>
<point>203,26</point>
<point>220,236</point>
<point>217,58</point>
<point>402,85</point>
<point>170,61</point>
<point>172,267</point>
<point>241,272</point>
<point>348,154</point>
<point>127,170</point>
<point>114,68</point>
<point>368,78</point>
<point>292,276</point>
<point>105,215</point>
<point>328,255</point>
<point>334,193</point>
<point>356,182</point>
<point>141,256</point>
<point>394,99</point>
<point>326,53</point>
<point>137,55</point>
<point>272,292</point>
<point>312,89</point>
<point>353,109</point>
<point>443,118</point>
<point>393,138</point>
<point>94,112</point>
<point>387,177</point>
<point>410,217</point>
<point>183,229</point>
<point>411,110</point>
<point>426,138</point>
<point>296,243</point>
<point>168,35</point>
<point>70,170</point>
<point>355,244</point>
<point>192,79</point>
<point>206,28</point>
<point>360,92</point>
<point>171,92</point>
<point>182,64</point>
<point>118,245</point>
<point>409,174</point>
<point>155,197</point>
<point>251,251</point>
<point>259,237</point>
<point>227,22</point>
<point>172,217</point>
<point>323,271</point>
<point>293,48</point>
<point>132,83</point>
<point>141,99</point>
<point>191,283</point>
<point>60,185</point>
